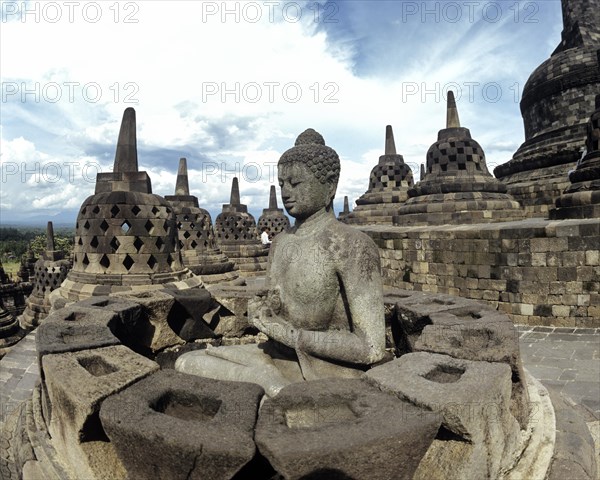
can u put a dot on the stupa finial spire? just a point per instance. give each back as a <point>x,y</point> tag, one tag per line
<point>390,145</point>
<point>50,237</point>
<point>182,186</point>
<point>126,159</point>
<point>452,120</point>
<point>272,198</point>
<point>235,192</point>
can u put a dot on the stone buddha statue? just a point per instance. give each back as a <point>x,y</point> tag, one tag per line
<point>323,312</point>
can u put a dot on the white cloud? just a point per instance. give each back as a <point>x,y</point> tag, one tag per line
<point>176,66</point>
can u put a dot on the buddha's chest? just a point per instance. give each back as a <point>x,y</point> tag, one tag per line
<point>305,272</point>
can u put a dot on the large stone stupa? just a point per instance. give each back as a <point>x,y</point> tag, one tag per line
<point>457,187</point>
<point>196,235</point>
<point>557,102</point>
<point>273,217</point>
<point>582,198</point>
<point>389,183</point>
<point>125,236</point>
<point>237,236</point>
<point>51,269</point>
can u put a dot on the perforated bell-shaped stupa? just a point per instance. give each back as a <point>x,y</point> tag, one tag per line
<point>582,198</point>
<point>196,235</point>
<point>273,217</point>
<point>237,236</point>
<point>557,102</point>
<point>125,235</point>
<point>10,332</point>
<point>457,187</point>
<point>388,187</point>
<point>51,270</point>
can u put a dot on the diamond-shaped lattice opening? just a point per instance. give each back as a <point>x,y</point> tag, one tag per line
<point>168,210</point>
<point>115,244</point>
<point>169,259</point>
<point>192,225</point>
<point>155,210</point>
<point>86,225</point>
<point>151,261</point>
<point>135,210</point>
<point>80,241</point>
<point>83,210</point>
<point>180,244</point>
<point>104,225</point>
<point>114,211</point>
<point>186,218</point>
<point>128,262</point>
<point>186,234</point>
<point>193,244</point>
<point>104,261</point>
<point>149,226</point>
<point>125,226</point>
<point>94,243</point>
<point>96,209</point>
<point>138,244</point>
<point>159,243</point>
<point>179,225</point>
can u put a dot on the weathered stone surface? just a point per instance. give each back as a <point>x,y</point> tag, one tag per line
<point>478,334</point>
<point>474,399</point>
<point>76,328</point>
<point>231,318</point>
<point>129,311</point>
<point>343,429</point>
<point>77,383</point>
<point>152,329</point>
<point>537,271</point>
<point>176,426</point>
<point>187,317</point>
<point>574,456</point>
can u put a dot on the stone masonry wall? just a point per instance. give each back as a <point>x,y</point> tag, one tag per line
<point>538,271</point>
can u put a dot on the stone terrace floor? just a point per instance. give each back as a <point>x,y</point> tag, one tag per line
<point>566,359</point>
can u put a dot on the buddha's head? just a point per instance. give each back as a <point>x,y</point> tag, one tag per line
<point>308,175</point>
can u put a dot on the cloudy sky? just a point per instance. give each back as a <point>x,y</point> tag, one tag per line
<point>229,85</point>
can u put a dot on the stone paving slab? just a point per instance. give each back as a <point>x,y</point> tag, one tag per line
<point>565,359</point>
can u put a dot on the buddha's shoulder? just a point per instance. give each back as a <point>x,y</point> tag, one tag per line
<point>347,235</point>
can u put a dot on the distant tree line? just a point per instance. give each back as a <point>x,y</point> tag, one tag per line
<point>14,241</point>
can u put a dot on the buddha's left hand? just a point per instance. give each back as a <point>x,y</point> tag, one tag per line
<point>277,329</point>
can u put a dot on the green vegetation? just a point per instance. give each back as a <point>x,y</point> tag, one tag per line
<point>14,242</point>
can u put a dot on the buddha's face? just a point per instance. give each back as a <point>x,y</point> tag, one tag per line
<point>302,193</point>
